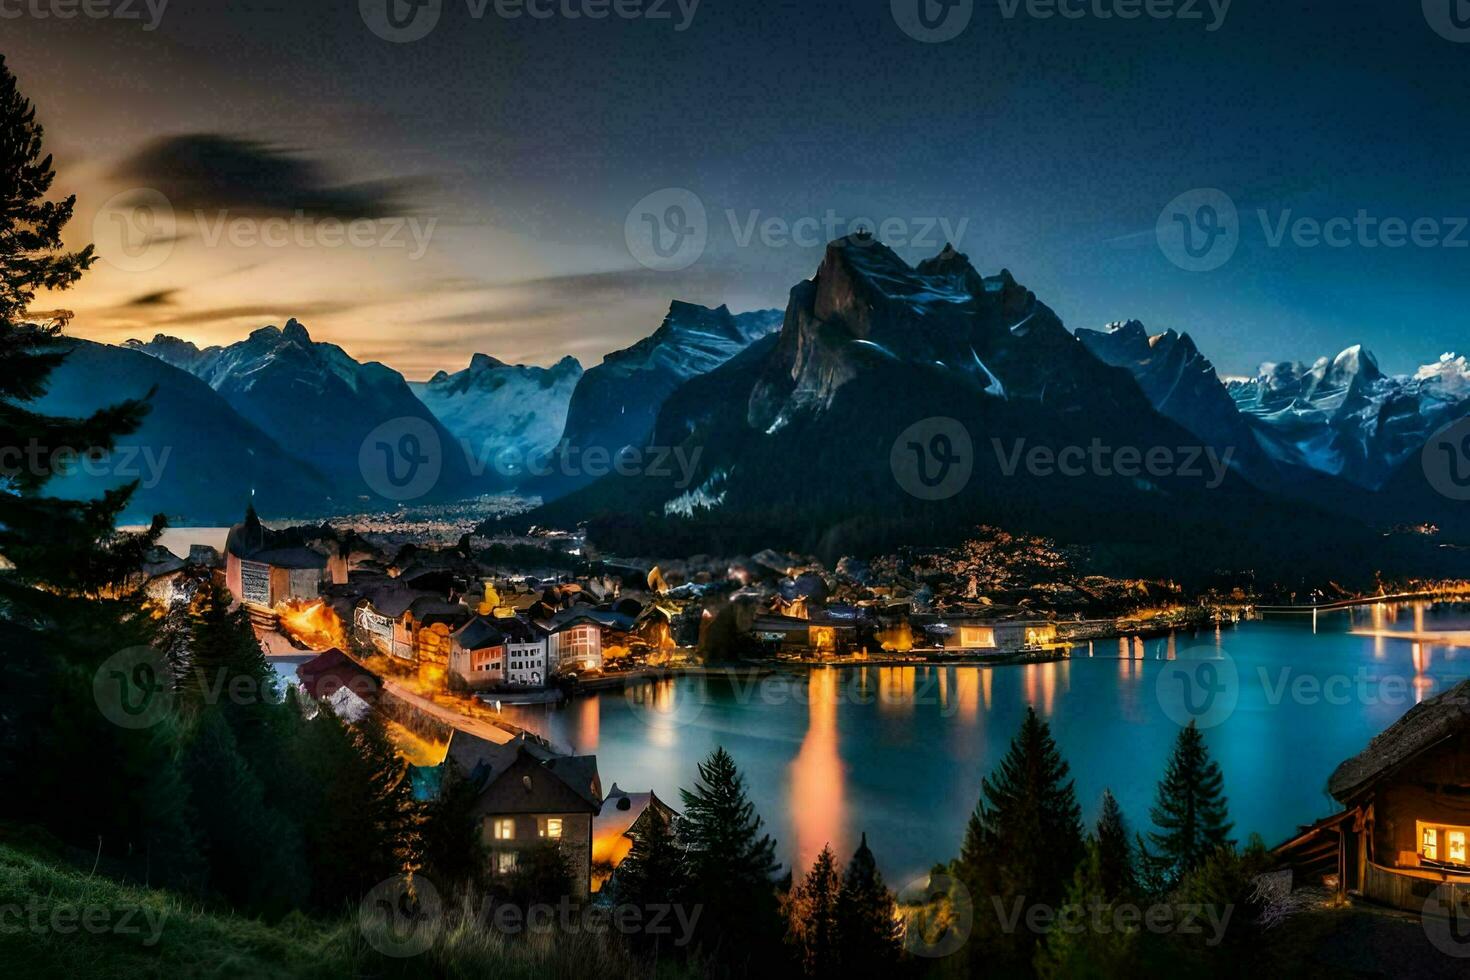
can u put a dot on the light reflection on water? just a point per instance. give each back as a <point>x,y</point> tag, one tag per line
<point>899,752</point>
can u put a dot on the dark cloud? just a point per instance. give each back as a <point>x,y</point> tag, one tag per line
<point>212,172</point>
<point>264,314</point>
<point>163,297</point>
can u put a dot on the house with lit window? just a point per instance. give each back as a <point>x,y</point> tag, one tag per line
<point>819,636</point>
<point>976,636</point>
<point>264,568</point>
<point>573,641</point>
<point>477,654</point>
<point>1404,830</point>
<point>530,796</point>
<point>526,653</point>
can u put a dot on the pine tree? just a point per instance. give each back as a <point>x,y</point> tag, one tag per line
<point>1023,842</point>
<point>1119,879</point>
<point>653,871</point>
<point>1099,950</point>
<point>731,865</point>
<point>868,931</point>
<point>65,606</point>
<point>453,854</point>
<point>812,918</point>
<point>1190,811</point>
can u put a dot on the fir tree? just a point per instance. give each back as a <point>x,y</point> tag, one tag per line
<point>1022,844</point>
<point>812,918</point>
<point>452,849</point>
<point>1190,812</point>
<point>1119,878</point>
<point>66,605</point>
<point>868,931</point>
<point>1100,949</point>
<point>653,871</point>
<point>731,864</point>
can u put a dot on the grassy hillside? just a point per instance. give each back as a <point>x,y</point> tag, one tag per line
<point>58,921</point>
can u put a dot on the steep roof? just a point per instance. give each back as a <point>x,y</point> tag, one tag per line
<point>478,634</point>
<point>327,673</point>
<point>524,776</point>
<point>1422,727</point>
<point>621,810</point>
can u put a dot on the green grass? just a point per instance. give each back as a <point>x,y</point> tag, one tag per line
<point>142,932</point>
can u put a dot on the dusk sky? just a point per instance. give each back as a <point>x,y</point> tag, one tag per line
<point>1048,146</point>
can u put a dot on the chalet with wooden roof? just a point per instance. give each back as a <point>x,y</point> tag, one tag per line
<point>1405,827</point>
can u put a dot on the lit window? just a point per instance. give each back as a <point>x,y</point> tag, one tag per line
<point>505,862</point>
<point>1456,839</point>
<point>553,828</point>
<point>976,637</point>
<point>505,829</point>
<point>1429,845</point>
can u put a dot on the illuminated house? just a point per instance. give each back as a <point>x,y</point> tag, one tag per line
<point>820,636</point>
<point>622,817</point>
<point>973,635</point>
<point>529,795</point>
<point>477,654</point>
<point>264,568</point>
<point>573,640</point>
<point>408,623</point>
<point>1405,827</point>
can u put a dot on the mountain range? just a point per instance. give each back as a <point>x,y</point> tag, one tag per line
<point>797,428</point>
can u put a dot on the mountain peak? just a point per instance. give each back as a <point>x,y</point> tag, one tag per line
<point>294,331</point>
<point>484,362</point>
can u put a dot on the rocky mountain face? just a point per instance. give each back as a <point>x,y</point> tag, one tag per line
<point>798,441</point>
<point>195,459</point>
<point>316,401</point>
<point>504,413</point>
<point>616,402</point>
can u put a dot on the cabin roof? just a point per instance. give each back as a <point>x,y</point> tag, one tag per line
<point>1422,727</point>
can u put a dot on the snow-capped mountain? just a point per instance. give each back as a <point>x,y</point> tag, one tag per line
<point>504,413</point>
<point>194,458</point>
<point>615,402</point>
<point>792,442</point>
<point>313,399</point>
<point>1345,417</point>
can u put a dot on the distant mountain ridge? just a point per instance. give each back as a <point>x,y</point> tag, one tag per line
<point>313,399</point>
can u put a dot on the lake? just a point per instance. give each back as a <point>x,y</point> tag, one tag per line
<point>898,753</point>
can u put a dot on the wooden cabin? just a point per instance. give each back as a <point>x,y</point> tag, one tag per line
<point>1405,825</point>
